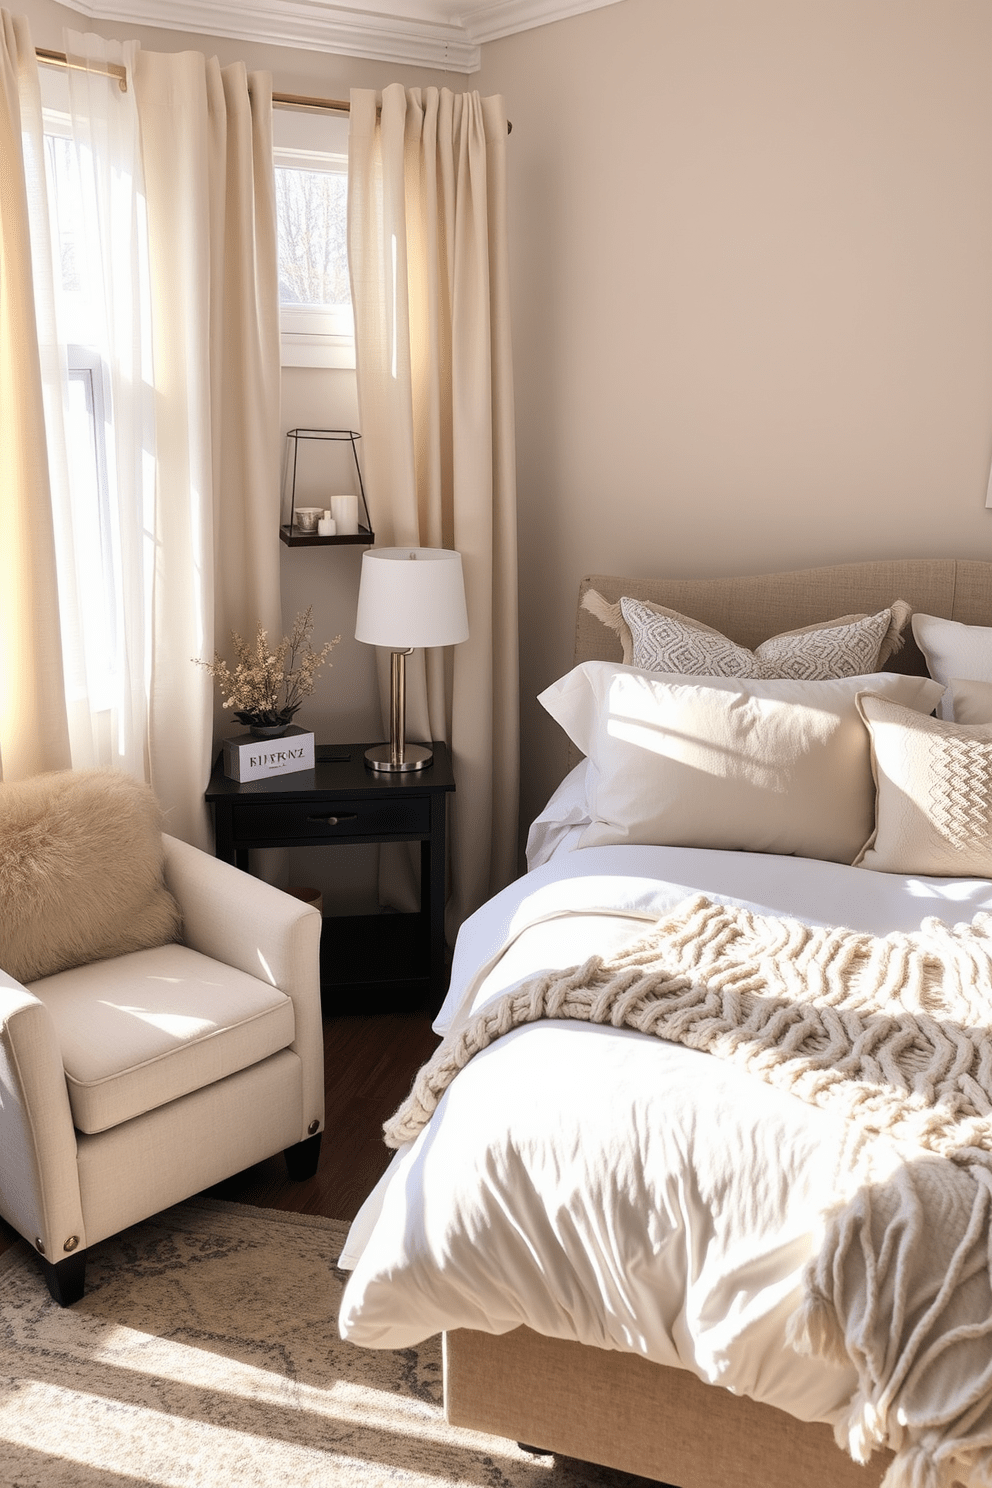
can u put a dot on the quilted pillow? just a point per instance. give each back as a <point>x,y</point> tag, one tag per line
<point>762,765</point>
<point>660,640</point>
<point>81,872</point>
<point>933,807</point>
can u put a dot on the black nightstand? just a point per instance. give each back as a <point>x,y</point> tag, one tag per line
<point>368,963</point>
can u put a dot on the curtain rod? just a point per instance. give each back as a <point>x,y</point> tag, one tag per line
<point>59,59</point>
<point>281,100</point>
<point>294,100</point>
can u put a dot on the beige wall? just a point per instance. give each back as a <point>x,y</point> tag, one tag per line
<point>752,279</point>
<point>752,274</point>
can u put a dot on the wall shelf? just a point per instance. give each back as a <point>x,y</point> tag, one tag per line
<point>294,538</point>
<point>289,532</point>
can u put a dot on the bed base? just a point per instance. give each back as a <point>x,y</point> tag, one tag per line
<point>620,1411</point>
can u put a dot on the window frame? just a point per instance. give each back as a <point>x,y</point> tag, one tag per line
<point>312,335</point>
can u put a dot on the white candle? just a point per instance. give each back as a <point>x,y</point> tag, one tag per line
<point>327,526</point>
<point>344,510</point>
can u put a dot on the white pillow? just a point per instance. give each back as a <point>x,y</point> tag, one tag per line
<point>953,650</point>
<point>565,810</point>
<point>762,765</point>
<point>971,701</point>
<point>933,810</point>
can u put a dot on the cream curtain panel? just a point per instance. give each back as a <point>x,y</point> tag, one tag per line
<point>428,259</point>
<point>196,475</point>
<point>207,156</point>
<point>34,733</point>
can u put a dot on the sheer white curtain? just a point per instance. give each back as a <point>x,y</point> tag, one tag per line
<point>34,733</point>
<point>428,258</point>
<point>93,313</point>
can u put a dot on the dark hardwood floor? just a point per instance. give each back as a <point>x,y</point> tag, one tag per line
<point>369,1065</point>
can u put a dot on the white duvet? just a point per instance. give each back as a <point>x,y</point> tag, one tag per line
<point>601,1185</point>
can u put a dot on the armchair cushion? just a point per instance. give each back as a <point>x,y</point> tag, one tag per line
<point>81,871</point>
<point>144,1029</point>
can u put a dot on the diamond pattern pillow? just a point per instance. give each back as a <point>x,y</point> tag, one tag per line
<point>661,640</point>
<point>933,804</point>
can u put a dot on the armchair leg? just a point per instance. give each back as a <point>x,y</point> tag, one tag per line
<point>302,1160</point>
<point>65,1279</point>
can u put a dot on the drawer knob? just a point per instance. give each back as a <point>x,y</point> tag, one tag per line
<point>332,821</point>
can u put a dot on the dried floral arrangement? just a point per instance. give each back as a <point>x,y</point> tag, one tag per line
<point>267,685</point>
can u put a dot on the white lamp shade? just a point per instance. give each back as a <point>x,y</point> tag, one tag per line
<point>410,597</point>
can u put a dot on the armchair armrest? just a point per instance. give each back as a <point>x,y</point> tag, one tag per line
<point>39,1183</point>
<point>243,922</point>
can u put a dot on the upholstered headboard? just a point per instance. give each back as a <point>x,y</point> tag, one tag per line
<point>752,608</point>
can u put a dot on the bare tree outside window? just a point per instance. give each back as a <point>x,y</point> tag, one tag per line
<point>311,211</point>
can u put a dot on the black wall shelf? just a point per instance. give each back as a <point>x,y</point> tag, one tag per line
<point>294,538</point>
<point>289,532</point>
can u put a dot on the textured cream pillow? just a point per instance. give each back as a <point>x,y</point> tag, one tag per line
<point>764,765</point>
<point>80,872</point>
<point>953,650</point>
<point>657,639</point>
<point>933,810</point>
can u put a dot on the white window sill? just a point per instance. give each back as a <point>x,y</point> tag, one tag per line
<point>302,350</point>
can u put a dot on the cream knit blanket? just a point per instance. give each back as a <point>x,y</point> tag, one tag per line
<point>893,1034</point>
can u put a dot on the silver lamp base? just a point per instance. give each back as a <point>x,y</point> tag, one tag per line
<point>414,757</point>
<point>398,756</point>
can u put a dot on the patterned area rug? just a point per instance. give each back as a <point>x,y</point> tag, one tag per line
<point>205,1354</point>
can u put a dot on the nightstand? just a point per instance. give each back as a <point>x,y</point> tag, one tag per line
<point>368,963</point>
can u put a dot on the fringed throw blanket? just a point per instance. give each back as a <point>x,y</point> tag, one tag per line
<point>895,1035</point>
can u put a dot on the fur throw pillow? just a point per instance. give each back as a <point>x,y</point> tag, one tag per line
<point>81,872</point>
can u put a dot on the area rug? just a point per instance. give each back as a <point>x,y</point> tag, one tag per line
<point>205,1354</point>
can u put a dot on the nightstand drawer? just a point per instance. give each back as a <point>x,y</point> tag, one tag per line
<point>323,821</point>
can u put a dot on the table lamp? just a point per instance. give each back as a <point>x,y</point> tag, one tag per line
<point>407,598</point>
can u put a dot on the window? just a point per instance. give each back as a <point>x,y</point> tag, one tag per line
<point>86,429</point>
<point>86,408</point>
<point>311,168</point>
<point>93,306</point>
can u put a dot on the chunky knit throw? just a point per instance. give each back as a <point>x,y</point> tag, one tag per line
<point>895,1035</point>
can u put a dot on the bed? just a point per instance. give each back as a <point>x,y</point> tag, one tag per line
<point>612,1231</point>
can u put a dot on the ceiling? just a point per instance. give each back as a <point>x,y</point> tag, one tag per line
<point>436,33</point>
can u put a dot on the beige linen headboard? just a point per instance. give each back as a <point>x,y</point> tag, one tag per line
<point>751,609</point>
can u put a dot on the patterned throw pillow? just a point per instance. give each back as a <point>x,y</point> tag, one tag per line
<point>933,805</point>
<point>656,639</point>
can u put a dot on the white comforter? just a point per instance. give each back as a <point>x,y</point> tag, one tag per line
<point>604,1186</point>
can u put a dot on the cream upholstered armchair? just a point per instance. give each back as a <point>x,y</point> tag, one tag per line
<point>175,1036</point>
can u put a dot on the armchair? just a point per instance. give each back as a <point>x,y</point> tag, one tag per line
<point>129,1083</point>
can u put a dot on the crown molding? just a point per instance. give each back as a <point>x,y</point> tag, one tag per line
<point>378,34</point>
<point>296,23</point>
<point>489,21</point>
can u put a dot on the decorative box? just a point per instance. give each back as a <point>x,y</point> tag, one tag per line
<point>247,757</point>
